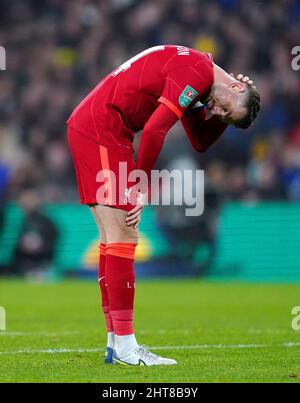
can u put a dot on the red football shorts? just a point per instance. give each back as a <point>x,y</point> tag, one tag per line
<point>102,173</point>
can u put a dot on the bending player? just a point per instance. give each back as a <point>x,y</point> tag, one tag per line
<point>150,92</point>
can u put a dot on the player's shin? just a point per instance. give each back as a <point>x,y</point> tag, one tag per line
<point>120,286</point>
<point>104,296</point>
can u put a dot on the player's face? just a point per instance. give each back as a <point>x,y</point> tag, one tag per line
<point>227,102</point>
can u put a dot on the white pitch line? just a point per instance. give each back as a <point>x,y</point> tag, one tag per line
<point>290,344</point>
<point>187,347</point>
<point>52,351</point>
<point>269,330</point>
<point>161,331</point>
<point>41,333</point>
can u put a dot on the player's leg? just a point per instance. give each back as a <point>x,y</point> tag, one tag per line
<point>121,242</point>
<point>103,290</point>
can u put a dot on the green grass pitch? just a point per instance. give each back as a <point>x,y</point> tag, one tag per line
<point>218,332</point>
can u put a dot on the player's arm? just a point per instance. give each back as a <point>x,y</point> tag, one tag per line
<point>202,132</point>
<point>152,140</point>
<point>153,136</point>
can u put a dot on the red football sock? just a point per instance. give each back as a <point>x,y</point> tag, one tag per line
<point>120,286</point>
<point>103,288</point>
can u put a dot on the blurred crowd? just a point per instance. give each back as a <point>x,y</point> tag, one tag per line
<point>58,50</point>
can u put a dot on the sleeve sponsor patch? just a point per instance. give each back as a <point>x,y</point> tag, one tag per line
<point>187,96</point>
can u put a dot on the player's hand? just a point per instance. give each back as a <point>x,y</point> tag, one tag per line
<point>244,79</point>
<point>134,216</point>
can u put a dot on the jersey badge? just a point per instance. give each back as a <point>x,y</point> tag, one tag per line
<point>187,96</point>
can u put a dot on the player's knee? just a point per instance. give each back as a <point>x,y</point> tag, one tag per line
<point>135,236</point>
<point>130,235</point>
<point>124,235</point>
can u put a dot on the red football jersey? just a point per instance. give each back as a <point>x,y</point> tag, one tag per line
<point>121,104</point>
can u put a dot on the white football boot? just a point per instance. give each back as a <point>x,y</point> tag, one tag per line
<point>141,356</point>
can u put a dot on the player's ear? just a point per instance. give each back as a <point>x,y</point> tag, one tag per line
<point>239,87</point>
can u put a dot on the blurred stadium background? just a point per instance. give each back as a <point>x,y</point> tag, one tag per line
<point>58,50</point>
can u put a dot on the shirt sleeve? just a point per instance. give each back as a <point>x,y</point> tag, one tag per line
<point>153,137</point>
<point>183,87</point>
